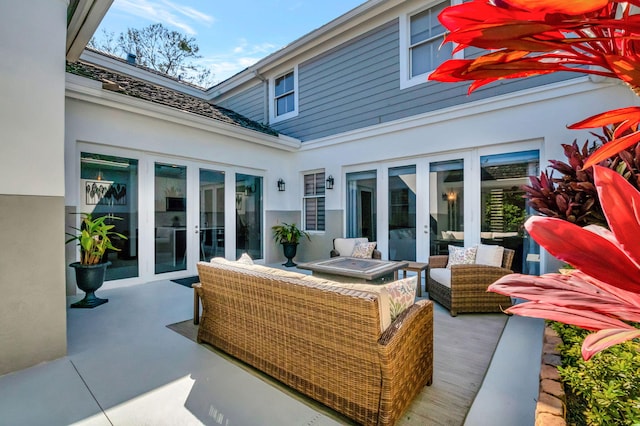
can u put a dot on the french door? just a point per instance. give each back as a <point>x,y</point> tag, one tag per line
<point>202,212</point>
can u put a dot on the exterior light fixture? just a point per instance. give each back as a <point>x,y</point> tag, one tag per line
<point>329,184</point>
<point>281,184</point>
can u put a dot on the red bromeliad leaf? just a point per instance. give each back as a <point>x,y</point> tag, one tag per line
<point>578,317</point>
<point>612,148</point>
<point>577,291</point>
<point>603,339</point>
<point>628,117</point>
<point>621,206</point>
<point>584,250</point>
<point>513,35</point>
<point>569,7</point>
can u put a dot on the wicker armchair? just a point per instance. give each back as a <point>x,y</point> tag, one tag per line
<point>468,291</point>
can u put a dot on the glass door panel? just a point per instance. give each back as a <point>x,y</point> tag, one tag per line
<point>361,205</point>
<point>446,205</point>
<point>211,214</point>
<point>402,213</point>
<point>504,209</point>
<point>170,217</point>
<point>110,188</point>
<point>249,215</point>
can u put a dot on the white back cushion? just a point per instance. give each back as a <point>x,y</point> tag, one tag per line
<point>345,246</point>
<point>489,255</point>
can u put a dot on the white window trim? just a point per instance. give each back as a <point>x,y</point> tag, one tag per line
<point>272,95</point>
<point>304,197</point>
<point>406,81</point>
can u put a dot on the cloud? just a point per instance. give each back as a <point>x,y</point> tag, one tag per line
<point>243,55</point>
<point>165,12</point>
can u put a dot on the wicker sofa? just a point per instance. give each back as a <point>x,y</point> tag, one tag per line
<point>464,290</point>
<point>323,340</point>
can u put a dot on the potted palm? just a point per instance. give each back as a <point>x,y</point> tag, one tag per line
<point>94,238</point>
<point>289,236</point>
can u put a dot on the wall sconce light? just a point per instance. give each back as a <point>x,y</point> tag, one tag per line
<point>281,184</point>
<point>329,184</point>
<point>449,196</point>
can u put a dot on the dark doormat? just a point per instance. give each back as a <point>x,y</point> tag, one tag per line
<point>187,281</point>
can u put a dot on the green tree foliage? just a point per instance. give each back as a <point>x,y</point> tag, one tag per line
<point>156,47</point>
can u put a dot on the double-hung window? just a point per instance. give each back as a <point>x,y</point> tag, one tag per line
<point>421,49</point>
<point>314,201</point>
<point>284,96</point>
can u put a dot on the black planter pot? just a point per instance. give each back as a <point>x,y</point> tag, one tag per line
<point>89,278</point>
<point>290,250</point>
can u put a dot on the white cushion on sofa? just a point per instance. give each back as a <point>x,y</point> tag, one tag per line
<point>441,275</point>
<point>489,255</point>
<point>345,246</point>
<point>259,268</point>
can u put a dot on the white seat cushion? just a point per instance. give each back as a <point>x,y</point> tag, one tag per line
<point>345,246</point>
<point>489,255</point>
<point>441,275</point>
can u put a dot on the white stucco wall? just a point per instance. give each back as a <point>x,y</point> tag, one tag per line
<point>535,119</point>
<point>33,38</point>
<point>32,306</point>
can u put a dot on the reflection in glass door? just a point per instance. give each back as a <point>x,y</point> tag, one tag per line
<point>109,187</point>
<point>211,214</point>
<point>504,209</point>
<point>402,213</point>
<point>170,218</point>
<point>446,205</point>
<point>249,215</point>
<point>361,205</point>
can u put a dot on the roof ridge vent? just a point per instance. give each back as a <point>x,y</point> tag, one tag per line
<point>131,58</point>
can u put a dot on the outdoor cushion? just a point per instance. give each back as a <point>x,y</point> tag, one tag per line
<point>259,268</point>
<point>461,256</point>
<point>441,275</point>
<point>489,255</point>
<point>363,250</point>
<point>246,259</point>
<point>345,246</point>
<point>401,293</point>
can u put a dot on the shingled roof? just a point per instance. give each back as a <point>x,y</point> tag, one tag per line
<point>130,86</point>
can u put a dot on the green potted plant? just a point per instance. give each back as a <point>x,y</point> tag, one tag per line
<point>289,236</point>
<point>94,238</point>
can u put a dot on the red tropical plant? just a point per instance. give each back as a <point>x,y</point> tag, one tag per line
<point>604,293</point>
<point>600,37</point>
<point>572,195</point>
<point>528,38</point>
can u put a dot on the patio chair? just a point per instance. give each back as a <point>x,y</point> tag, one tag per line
<point>462,288</point>
<point>345,246</point>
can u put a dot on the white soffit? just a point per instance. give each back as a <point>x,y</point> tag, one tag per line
<point>87,15</point>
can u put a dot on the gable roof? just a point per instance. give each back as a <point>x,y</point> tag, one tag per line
<point>130,86</point>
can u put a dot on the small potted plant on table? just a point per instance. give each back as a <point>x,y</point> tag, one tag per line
<point>94,240</point>
<point>289,236</point>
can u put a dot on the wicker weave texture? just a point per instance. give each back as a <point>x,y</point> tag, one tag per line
<point>323,341</point>
<point>468,292</point>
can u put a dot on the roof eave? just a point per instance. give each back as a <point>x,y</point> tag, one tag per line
<point>82,24</point>
<point>88,90</point>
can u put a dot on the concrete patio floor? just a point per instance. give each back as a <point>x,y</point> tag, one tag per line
<point>125,367</point>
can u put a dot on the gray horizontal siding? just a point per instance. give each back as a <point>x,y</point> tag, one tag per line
<point>249,103</point>
<point>357,85</point>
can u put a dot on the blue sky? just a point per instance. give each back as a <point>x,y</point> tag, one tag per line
<point>232,35</point>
